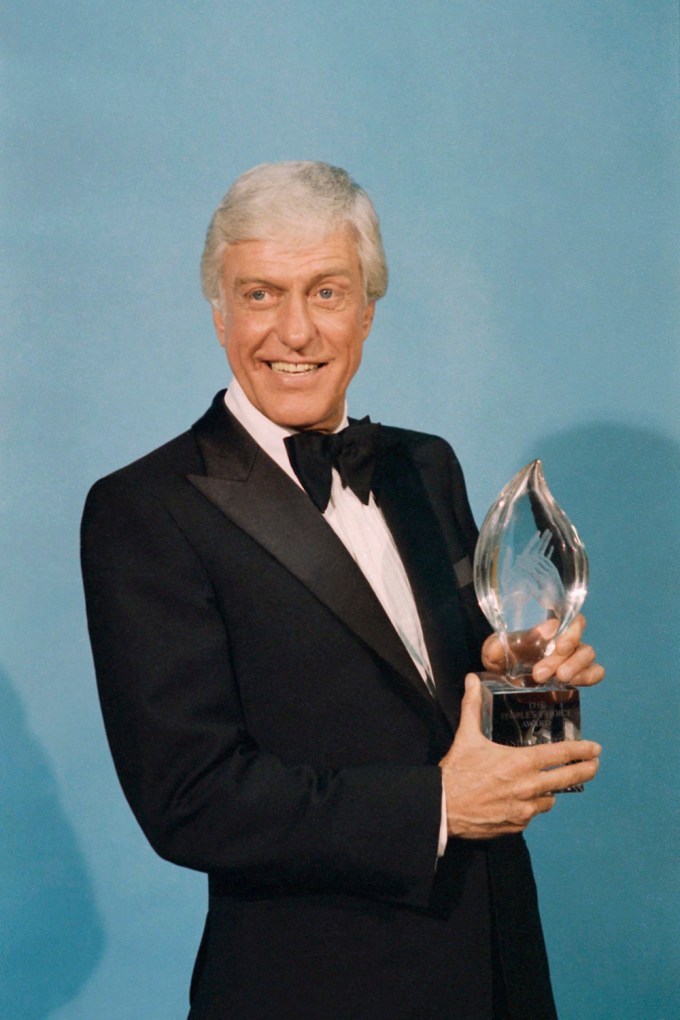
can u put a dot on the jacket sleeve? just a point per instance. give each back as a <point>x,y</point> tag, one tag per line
<point>204,794</point>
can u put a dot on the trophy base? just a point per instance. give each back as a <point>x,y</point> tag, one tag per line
<point>524,716</point>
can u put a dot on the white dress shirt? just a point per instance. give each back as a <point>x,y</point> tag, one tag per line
<point>362,530</point>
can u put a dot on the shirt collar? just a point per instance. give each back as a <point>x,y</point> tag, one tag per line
<point>265,432</point>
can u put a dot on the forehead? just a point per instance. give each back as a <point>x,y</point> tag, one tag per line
<point>308,251</point>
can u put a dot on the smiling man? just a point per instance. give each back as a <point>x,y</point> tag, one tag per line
<point>282,624</point>
<point>293,319</point>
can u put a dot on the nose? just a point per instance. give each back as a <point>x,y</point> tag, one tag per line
<point>295,326</point>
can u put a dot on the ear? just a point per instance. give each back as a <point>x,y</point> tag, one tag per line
<point>369,312</point>
<point>219,323</point>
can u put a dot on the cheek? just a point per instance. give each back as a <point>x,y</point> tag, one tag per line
<point>355,354</point>
<point>240,343</point>
<point>350,342</point>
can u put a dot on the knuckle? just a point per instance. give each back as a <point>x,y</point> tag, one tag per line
<point>585,770</point>
<point>564,755</point>
<point>523,814</point>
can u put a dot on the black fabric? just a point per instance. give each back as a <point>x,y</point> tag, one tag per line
<point>313,455</point>
<point>270,729</point>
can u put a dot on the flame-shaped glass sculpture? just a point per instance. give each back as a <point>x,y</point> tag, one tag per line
<point>531,575</point>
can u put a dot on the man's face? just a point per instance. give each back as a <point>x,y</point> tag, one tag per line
<point>293,322</point>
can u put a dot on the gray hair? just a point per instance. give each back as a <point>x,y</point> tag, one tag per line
<point>276,199</point>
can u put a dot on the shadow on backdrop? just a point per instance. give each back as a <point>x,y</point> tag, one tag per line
<point>621,486</point>
<point>50,935</point>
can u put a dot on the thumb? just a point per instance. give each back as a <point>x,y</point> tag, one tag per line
<point>471,708</point>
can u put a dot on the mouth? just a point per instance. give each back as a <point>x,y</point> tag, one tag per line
<point>295,368</point>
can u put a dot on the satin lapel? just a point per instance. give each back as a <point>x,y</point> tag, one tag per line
<point>404,501</point>
<point>246,485</point>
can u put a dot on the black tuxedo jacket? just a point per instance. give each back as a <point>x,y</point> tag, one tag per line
<point>270,729</point>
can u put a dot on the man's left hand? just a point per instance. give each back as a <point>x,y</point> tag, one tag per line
<point>571,661</point>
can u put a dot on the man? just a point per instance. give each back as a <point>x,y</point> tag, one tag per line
<point>281,674</point>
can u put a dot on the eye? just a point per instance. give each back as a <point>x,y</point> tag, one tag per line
<point>326,293</point>
<point>257,295</point>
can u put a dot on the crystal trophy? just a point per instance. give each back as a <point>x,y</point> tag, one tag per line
<point>531,575</point>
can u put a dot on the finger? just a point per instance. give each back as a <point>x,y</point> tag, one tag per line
<point>588,677</point>
<point>565,662</point>
<point>564,669</point>
<point>583,657</point>
<point>563,752</point>
<point>547,628</point>
<point>527,806</point>
<point>470,724</point>
<point>544,669</point>
<point>544,803</point>
<point>580,669</point>
<point>562,778</point>
<point>493,655</point>
<point>571,639</point>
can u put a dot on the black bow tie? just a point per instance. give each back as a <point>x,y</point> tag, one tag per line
<point>313,455</point>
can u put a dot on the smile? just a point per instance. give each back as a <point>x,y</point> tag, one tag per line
<point>293,368</point>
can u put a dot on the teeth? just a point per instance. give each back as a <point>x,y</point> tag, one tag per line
<point>293,369</point>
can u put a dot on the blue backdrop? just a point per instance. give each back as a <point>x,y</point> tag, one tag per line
<point>523,157</point>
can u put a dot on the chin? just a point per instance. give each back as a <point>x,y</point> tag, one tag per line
<point>303,416</point>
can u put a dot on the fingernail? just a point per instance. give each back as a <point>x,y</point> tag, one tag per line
<point>542,673</point>
<point>469,681</point>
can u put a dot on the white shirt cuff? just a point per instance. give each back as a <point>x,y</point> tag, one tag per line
<point>443,832</point>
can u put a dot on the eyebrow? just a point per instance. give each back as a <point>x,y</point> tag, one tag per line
<point>245,281</point>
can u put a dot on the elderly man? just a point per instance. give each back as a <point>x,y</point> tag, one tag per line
<point>282,624</point>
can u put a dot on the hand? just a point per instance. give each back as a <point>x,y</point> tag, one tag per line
<point>570,661</point>
<point>492,790</point>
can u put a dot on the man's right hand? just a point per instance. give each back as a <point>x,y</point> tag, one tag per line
<point>493,790</point>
